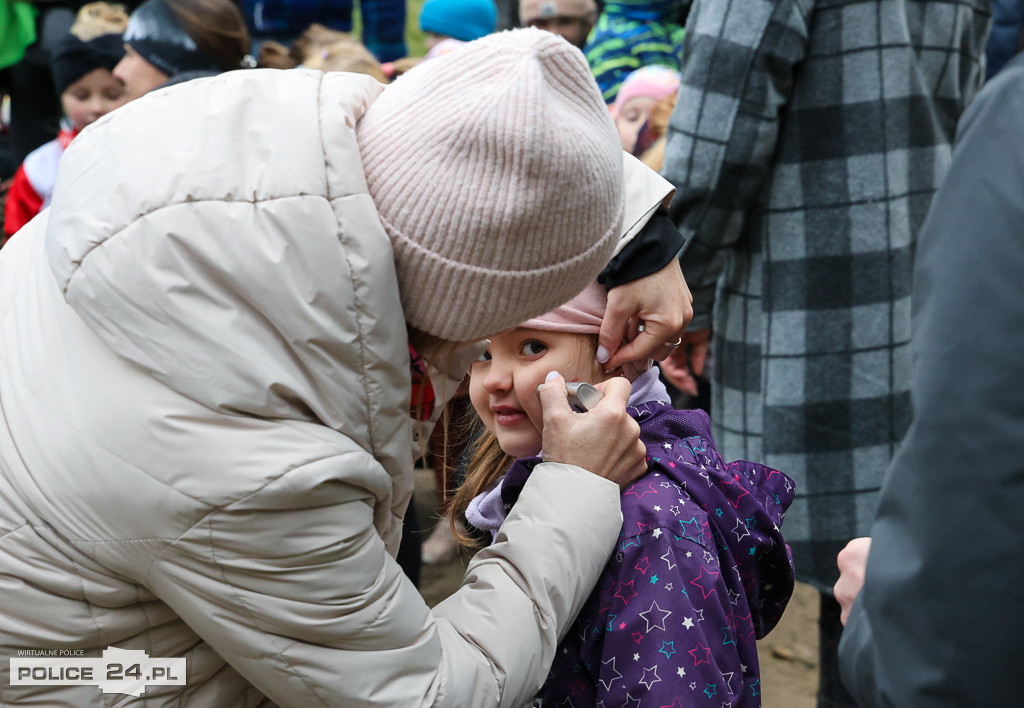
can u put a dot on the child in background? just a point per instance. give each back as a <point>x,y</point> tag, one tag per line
<point>700,570</point>
<point>572,19</point>
<point>635,101</point>
<point>346,55</point>
<point>313,41</point>
<point>449,23</point>
<point>631,34</point>
<point>82,64</point>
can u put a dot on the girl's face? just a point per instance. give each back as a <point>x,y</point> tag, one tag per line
<point>138,75</point>
<point>632,116</point>
<point>503,382</point>
<point>91,97</point>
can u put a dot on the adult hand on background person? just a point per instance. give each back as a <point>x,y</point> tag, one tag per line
<point>661,300</point>
<point>853,562</point>
<point>694,351</point>
<point>677,372</point>
<point>605,440</point>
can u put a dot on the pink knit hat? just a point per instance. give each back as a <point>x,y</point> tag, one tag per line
<point>497,174</point>
<point>583,315</point>
<point>655,81</point>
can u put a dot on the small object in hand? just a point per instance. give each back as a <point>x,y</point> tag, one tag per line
<point>582,396</point>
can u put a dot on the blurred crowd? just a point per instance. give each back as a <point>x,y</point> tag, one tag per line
<point>65,65</point>
<point>766,99</point>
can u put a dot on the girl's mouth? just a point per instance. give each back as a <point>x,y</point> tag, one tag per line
<point>507,415</point>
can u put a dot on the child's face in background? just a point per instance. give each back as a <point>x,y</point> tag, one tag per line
<point>503,384</point>
<point>139,76</point>
<point>573,29</point>
<point>91,97</point>
<point>632,116</point>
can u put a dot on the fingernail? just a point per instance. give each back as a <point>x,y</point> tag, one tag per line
<point>551,375</point>
<point>603,355</point>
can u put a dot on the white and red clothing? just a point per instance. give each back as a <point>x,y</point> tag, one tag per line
<point>33,183</point>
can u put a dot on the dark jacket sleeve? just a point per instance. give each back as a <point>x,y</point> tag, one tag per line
<point>651,250</point>
<point>1007,33</point>
<point>937,622</point>
<point>384,28</point>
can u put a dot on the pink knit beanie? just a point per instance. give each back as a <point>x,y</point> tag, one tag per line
<point>583,315</point>
<point>496,171</point>
<point>654,81</point>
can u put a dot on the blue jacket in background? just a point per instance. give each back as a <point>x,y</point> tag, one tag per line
<point>383,21</point>
<point>1007,24</point>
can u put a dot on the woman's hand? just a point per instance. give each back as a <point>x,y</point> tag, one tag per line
<point>662,301</point>
<point>853,562</point>
<point>605,440</point>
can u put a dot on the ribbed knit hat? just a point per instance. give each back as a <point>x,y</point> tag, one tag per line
<point>462,19</point>
<point>497,172</point>
<point>73,58</point>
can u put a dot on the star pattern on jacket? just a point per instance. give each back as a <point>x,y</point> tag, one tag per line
<point>697,575</point>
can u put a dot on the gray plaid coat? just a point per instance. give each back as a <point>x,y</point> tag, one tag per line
<point>806,144</point>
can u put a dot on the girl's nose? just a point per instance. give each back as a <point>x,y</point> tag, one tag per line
<point>499,377</point>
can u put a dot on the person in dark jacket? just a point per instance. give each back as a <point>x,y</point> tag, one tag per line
<point>806,146</point>
<point>934,625</point>
<point>283,21</point>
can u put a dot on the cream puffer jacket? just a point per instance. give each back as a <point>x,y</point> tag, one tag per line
<point>204,441</point>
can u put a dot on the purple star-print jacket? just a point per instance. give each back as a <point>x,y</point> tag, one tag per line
<point>699,572</point>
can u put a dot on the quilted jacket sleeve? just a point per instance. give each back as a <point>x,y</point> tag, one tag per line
<point>738,63</point>
<point>293,587</point>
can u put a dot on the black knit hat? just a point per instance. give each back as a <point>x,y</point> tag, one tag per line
<point>72,58</point>
<point>156,34</point>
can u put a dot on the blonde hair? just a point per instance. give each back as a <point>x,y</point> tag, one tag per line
<point>315,38</point>
<point>346,55</point>
<point>274,55</point>
<point>654,156</point>
<point>487,464</point>
<point>99,18</point>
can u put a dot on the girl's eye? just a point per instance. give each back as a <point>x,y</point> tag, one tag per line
<point>533,348</point>
<point>484,356</point>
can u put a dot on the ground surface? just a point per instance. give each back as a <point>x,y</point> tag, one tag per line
<point>789,655</point>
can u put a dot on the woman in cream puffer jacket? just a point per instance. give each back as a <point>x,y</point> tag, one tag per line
<point>204,395</point>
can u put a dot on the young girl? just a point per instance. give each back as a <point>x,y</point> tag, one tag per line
<point>700,569</point>
<point>82,64</point>
<point>638,96</point>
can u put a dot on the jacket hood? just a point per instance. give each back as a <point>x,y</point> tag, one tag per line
<point>745,504</point>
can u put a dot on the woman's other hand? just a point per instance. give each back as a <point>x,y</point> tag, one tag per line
<point>662,301</point>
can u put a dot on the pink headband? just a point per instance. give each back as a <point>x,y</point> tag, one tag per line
<point>583,315</point>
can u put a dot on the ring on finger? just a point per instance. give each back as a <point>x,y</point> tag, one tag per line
<point>673,345</point>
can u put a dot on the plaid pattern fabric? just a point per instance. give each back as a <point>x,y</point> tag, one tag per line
<point>807,142</point>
